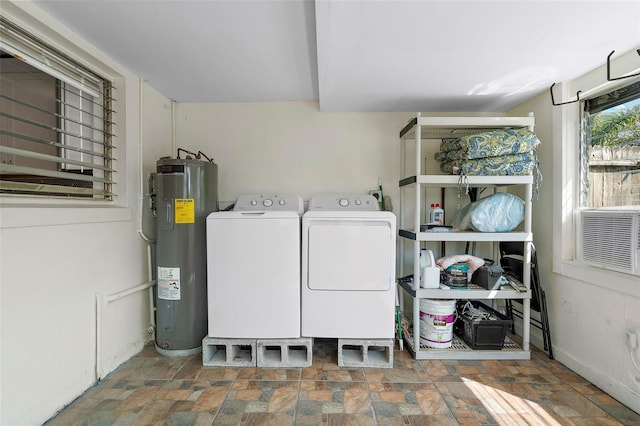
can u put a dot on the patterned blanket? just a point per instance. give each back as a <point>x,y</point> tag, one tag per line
<point>488,144</point>
<point>505,165</point>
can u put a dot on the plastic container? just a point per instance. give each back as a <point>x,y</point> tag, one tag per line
<point>488,276</point>
<point>436,214</point>
<point>436,322</point>
<point>457,275</point>
<point>486,334</point>
<point>429,272</point>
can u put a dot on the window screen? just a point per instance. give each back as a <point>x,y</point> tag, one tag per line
<point>56,136</point>
<point>610,149</point>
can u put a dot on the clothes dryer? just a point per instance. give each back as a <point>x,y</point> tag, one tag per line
<point>253,268</point>
<point>348,268</point>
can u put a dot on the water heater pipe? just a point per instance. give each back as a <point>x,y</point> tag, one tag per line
<point>141,196</point>
<point>128,292</point>
<point>101,301</point>
<point>173,126</point>
<point>151,327</point>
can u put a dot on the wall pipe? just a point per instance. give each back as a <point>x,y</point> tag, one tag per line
<point>140,161</point>
<point>173,126</point>
<point>142,197</point>
<point>101,302</point>
<point>124,293</point>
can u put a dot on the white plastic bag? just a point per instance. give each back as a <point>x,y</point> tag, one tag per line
<point>500,212</point>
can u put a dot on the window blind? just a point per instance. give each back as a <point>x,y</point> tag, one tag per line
<point>56,128</point>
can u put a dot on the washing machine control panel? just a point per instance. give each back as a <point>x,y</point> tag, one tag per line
<point>344,202</point>
<point>269,202</point>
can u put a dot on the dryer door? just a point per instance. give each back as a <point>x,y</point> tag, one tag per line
<point>350,255</point>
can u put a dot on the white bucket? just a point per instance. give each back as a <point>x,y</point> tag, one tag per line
<point>436,322</point>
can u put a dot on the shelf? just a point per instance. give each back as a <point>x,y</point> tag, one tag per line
<point>466,236</point>
<point>460,350</point>
<point>455,127</point>
<point>433,128</point>
<point>448,181</point>
<point>463,293</point>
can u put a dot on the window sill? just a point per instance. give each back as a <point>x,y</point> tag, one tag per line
<point>29,215</point>
<point>610,280</point>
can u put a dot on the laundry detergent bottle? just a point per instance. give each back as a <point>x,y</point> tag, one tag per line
<point>429,272</point>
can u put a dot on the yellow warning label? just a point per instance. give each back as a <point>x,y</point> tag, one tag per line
<point>185,210</point>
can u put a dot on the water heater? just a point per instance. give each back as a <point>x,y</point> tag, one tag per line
<point>186,191</point>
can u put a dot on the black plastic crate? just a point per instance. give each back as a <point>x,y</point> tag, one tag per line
<point>482,333</point>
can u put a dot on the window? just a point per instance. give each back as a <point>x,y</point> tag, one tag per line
<point>610,156</point>
<point>609,233</point>
<point>56,136</point>
<point>585,242</point>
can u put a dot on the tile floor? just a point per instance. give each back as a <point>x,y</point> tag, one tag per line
<point>151,389</point>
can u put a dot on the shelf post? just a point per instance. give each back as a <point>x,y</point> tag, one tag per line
<point>526,270</point>
<point>416,242</point>
<point>401,268</point>
<point>403,207</point>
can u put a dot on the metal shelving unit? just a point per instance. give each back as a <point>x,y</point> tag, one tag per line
<point>412,181</point>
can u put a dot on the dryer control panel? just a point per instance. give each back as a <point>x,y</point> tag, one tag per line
<point>269,202</point>
<point>352,202</point>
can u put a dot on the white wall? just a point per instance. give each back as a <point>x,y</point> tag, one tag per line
<point>293,147</point>
<point>55,258</point>
<point>589,309</point>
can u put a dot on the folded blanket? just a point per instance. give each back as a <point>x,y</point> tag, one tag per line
<point>505,165</point>
<point>488,144</point>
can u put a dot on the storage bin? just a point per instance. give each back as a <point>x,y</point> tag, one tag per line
<point>482,333</point>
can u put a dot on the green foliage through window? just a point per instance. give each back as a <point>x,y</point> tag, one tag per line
<point>617,126</point>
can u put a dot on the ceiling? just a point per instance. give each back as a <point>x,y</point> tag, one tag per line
<point>356,55</point>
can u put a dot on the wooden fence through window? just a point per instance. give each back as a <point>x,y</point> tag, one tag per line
<point>614,176</point>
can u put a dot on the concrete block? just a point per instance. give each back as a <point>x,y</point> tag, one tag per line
<point>285,353</point>
<point>218,352</point>
<point>374,353</point>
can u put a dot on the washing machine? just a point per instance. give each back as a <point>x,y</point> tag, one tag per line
<point>348,268</point>
<point>253,268</point>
